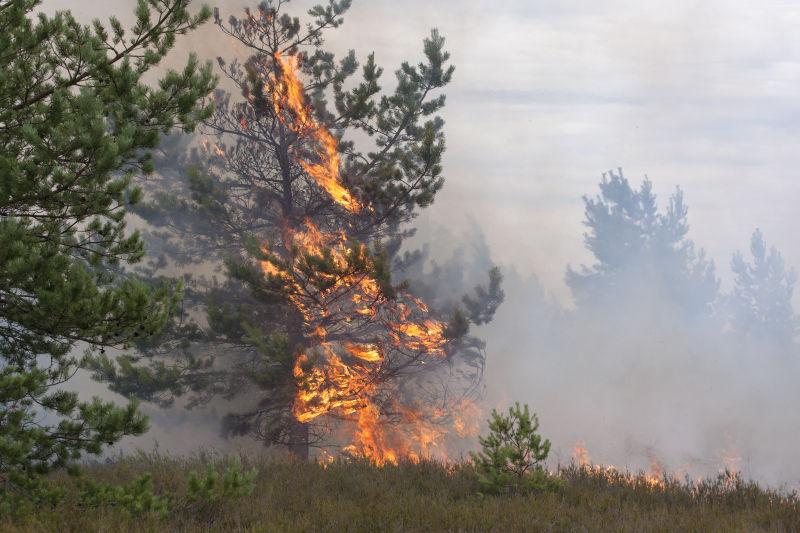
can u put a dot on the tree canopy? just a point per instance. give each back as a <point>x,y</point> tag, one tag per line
<point>640,252</point>
<point>299,200</point>
<point>76,124</point>
<point>761,302</point>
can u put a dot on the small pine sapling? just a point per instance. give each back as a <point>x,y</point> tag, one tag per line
<point>137,497</point>
<point>212,487</point>
<point>512,453</point>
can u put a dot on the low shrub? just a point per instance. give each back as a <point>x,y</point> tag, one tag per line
<point>512,455</point>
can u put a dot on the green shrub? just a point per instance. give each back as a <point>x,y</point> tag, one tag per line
<point>213,487</point>
<point>511,456</point>
<point>415,498</point>
<point>137,497</point>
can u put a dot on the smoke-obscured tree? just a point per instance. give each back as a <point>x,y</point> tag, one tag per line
<point>76,123</point>
<point>239,336</point>
<point>761,302</point>
<point>642,255</point>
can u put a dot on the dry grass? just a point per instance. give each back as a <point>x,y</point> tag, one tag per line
<point>294,496</point>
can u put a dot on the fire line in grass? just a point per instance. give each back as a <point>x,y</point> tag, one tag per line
<point>656,477</point>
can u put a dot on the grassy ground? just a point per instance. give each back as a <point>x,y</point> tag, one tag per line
<point>293,496</point>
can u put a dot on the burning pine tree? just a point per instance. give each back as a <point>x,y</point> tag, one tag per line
<point>359,333</point>
<point>309,325</point>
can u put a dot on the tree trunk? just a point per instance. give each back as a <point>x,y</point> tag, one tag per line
<point>298,446</point>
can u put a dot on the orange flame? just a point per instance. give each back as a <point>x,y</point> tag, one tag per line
<point>731,459</point>
<point>466,419</point>
<point>372,442</point>
<point>655,478</point>
<point>428,336</point>
<point>367,352</point>
<point>333,385</point>
<point>336,377</point>
<point>288,98</point>
<point>581,454</point>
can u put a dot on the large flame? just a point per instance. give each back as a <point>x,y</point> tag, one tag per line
<point>350,325</point>
<point>288,98</point>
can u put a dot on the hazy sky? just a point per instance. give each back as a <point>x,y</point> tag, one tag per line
<point>549,94</point>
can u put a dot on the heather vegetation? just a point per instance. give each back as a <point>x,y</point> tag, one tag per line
<point>288,495</point>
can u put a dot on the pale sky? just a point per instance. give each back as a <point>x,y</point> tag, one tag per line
<point>549,94</point>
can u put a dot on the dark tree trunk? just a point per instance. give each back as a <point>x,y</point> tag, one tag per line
<point>299,443</point>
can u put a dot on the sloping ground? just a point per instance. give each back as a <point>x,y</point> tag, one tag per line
<point>292,496</point>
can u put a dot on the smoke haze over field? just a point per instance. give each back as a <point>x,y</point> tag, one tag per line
<point>547,96</point>
<point>550,94</point>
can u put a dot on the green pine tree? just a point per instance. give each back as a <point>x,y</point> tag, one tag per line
<point>641,253</point>
<point>76,123</point>
<point>511,455</point>
<point>761,303</point>
<point>249,188</point>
